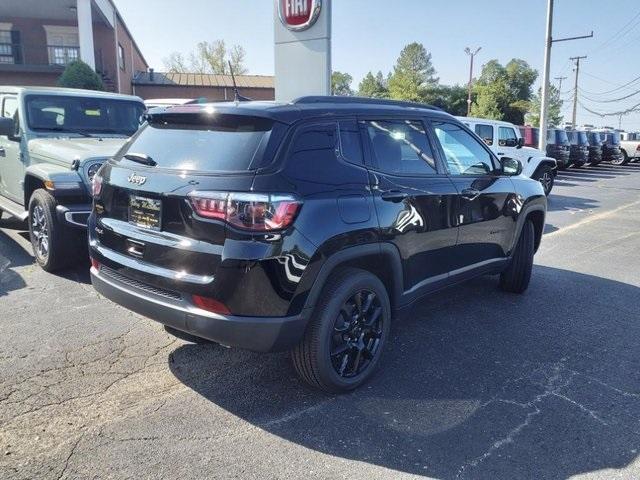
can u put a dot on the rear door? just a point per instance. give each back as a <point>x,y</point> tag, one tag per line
<point>413,197</point>
<point>484,207</point>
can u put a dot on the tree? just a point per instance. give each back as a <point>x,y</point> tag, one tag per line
<point>373,86</point>
<point>341,84</point>
<point>555,108</point>
<point>80,75</point>
<point>412,74</point>
<point>208,57</point>
<point>488,101</point>
<point>504,92</point>
<point>452,99</point>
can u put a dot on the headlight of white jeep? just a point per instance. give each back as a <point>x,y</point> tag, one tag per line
<point>92,170</point>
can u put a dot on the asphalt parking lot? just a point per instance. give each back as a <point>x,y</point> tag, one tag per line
<point>476,383</point>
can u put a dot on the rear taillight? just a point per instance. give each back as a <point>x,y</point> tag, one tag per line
<point>262,212</point>
<point>96,185</point>
<point>210,304</point>
<point>95,264</point>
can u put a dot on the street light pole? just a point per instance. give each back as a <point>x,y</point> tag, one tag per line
<point>471,54</point>
<point>544,104</point>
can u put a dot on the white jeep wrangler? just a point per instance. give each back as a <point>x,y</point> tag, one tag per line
<point>505,141</point>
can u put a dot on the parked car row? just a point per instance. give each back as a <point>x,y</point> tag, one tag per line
<point>584,146</point>
<point>307,226</point>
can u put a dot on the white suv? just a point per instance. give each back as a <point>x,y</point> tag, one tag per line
<point>505,141</point>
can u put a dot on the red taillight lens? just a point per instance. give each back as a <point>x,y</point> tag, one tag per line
<point>248,211</point>
<point>96,185</point>
<point>210,304</point>
<point>95,264</point>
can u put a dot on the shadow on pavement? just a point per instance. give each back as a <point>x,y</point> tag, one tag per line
<point>475,383</point>
<point>13,254</point>
<point>562,202</point>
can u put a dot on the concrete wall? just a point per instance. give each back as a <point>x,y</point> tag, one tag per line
<point>214,93</point>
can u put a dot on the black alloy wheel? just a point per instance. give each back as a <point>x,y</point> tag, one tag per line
<point>357,332</point>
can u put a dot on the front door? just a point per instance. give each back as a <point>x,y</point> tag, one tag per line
<point>11,164</point>
<point>413,199</point>
<point>486,206</point>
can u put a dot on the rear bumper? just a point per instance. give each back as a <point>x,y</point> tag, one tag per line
<point>261,334</point>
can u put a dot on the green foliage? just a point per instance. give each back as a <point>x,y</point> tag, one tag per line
<point>341,84</point>
<point>373,86</point>
<point>412,74</point>
<point>80,75</point>
<point>452,99</point>
<point>555,108</point>
<point>208,57</point>
<point>504,93</point>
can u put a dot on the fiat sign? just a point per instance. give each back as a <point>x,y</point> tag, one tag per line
<point>298,15</point>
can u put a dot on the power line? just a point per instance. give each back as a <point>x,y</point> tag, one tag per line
<point>611,100</point>
<point>620,87</point>
<point>635,108</point>
<point>616,36</point>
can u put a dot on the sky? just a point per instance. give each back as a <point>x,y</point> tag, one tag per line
<point>369,34</point>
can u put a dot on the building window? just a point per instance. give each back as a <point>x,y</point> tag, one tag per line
<point>62,44</point>
<point>121,57</point>
<point>6,43</point>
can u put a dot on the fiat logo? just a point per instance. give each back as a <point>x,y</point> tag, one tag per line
<point>298,15</point>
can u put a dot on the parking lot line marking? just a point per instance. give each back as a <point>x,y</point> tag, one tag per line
<point>592,218</point>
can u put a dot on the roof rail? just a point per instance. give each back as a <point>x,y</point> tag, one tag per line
<point>361,100</point>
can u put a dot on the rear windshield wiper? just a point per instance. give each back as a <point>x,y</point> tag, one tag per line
<point>141,158</point>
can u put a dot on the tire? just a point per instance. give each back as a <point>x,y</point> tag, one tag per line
<point>337,318</point>
<point>516,276</point>
<point>546,178</point>
<point>54,245</point>
<point>625,157</point>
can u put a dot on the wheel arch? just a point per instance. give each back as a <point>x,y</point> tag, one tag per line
<point>537,217</point>
<point>31,184</point>
<point>380,259</point>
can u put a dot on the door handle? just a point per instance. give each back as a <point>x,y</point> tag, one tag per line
<point>500,153</point>
<point>470,193</point>
<point>393,196</point>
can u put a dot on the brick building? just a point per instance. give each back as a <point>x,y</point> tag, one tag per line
<point>39,38</point>
<point>152,84</point>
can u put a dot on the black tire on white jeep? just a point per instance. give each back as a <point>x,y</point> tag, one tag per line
<point>54,244</point>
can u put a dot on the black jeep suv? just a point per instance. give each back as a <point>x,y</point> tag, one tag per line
<point>306,226</point>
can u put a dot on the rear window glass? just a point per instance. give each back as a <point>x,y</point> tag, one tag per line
<point>224,144</point>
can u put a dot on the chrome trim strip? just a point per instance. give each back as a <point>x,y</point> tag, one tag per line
<point>68,216</point>
<point>151,269</point>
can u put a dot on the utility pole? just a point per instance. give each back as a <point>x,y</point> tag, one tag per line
<point>471,54</point>
<point>575,89</point>
<point>544,104</point>
<point>560,79</point>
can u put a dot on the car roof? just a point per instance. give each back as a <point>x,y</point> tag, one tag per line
<point>310,107</point>
<point>485,120</point>
<point>75,92</point>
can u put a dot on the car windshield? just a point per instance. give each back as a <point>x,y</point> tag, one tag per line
<point>573,137</point>
<point>226,143</point>
<point>582,138</point>
<point>83,115</point>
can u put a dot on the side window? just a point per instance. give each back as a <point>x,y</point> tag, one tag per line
<point>314,151</point>
<point>485,132</point>
<point>400,147</point>
<point>464,154</point>
<point>9,107</point>
<point>350,146</point>
<point>507,137</point>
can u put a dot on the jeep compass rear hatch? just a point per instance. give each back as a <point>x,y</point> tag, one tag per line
<point>164,204</point>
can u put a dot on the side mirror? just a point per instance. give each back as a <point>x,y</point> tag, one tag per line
<point>520,142</point>
<point>7,127</point>
<point>511,166</point>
